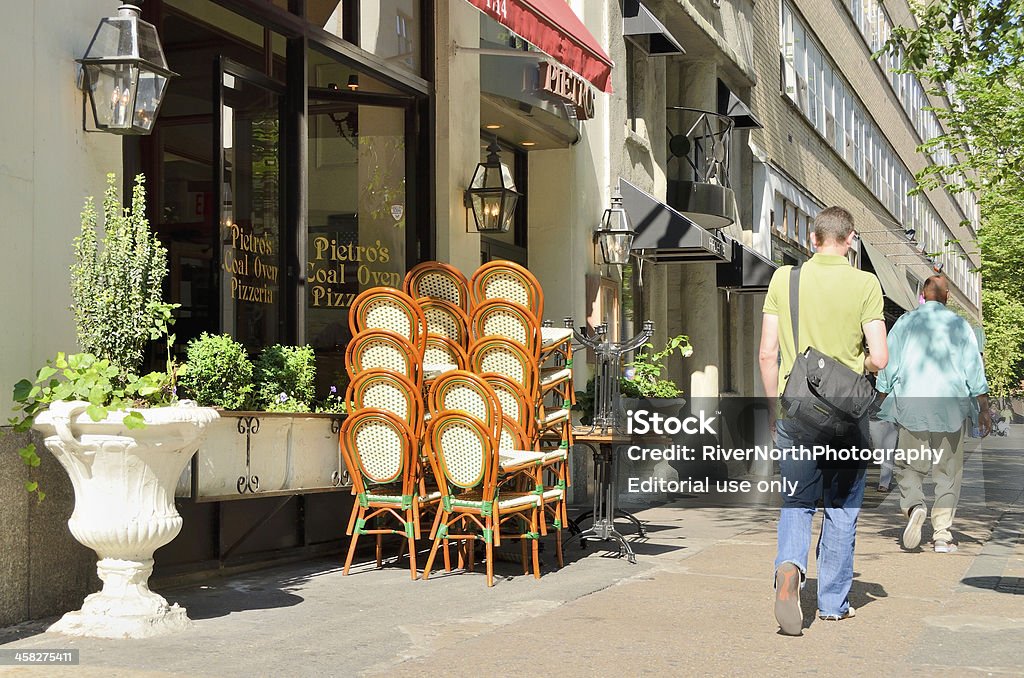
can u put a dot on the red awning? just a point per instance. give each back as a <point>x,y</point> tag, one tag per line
<point>552,27</point>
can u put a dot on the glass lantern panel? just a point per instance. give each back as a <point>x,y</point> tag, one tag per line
<point>112,89</point>
<point>147,100</point>
<point>487,211</point>
<point>479,177</point>
<point>615,247</point>
<point>506,177</point>
<point>113,37</point>
<point>617,220</point>
<point>149,44</point>
<point>508,211</point>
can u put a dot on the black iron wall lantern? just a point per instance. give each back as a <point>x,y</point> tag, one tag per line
<point>615,234</point>
<point>124,74</point>
<point>492,194</point>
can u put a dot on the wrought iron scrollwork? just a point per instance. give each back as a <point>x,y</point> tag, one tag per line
<point>248,483</point>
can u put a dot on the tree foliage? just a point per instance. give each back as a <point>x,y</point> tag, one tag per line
<point>970,55</point>
<point>1004,336</point>
<point>971,51</point>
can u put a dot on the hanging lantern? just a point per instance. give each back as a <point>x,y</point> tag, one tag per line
<point>615,234</point>
<point>492,194</point>
<point>125,74</point>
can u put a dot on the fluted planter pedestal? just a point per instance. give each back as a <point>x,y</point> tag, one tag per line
<point>124,482</point>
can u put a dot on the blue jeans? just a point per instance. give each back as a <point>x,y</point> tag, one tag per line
<point>840,487</point>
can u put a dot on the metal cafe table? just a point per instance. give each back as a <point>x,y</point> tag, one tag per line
<point>606,467</point>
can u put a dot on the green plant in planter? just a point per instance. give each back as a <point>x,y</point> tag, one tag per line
<point>285,377</point>
<point>116,286</point>
<point>334,403</point>
<point>218,373</point>
<point>117,289</point>
<point>648,367</point>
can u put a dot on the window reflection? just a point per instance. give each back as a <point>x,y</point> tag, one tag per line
<point>388,28</point>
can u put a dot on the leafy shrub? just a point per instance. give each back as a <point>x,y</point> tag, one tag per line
<point>285,378</point>
<point>218,373</point>
<point>648,367</point>
<point>117,281</point>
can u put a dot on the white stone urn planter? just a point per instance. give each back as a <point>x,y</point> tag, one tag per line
<point>124,483</point>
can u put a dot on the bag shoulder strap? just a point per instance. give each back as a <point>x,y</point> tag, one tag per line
<point>794,306</point>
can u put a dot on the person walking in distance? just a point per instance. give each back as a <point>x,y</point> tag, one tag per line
<point>934,380</point>
<point>839,308</point>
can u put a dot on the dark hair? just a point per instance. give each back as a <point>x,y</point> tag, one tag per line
<point>833,224</point>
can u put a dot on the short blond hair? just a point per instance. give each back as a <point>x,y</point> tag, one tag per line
<point>833,224</point>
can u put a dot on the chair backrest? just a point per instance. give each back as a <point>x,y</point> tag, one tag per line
<point>512,436</point>
<point>514,402</point>
<point>378,448</point>
<point>381,389</point>
<point>382,349</point>
<point>434,280</point>
<point>445,319</point>
<point>466,392</point>
<point>502,318</point>
<point>462,453</point>
<point>386,308</point>
<point>500,279</point>
<point>444,351</point>
<point>505,356</point>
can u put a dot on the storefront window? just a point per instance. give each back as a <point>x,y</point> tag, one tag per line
<point>390,29</point>
<point>250,215</point>
<point>244,258</point>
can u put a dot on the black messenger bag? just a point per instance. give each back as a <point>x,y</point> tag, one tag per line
<point>820,391</point>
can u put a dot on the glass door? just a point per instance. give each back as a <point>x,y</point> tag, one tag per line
<point>250,207</point>
<point>358,234</point>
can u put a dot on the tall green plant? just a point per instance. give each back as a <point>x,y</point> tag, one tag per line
<point>117,280</point>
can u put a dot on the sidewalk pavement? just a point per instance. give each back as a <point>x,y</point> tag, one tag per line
<point>699,602</point>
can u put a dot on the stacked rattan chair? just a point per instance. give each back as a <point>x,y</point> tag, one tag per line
<point>507,304</point>
<point>380,440</point>
<point>459,403</point>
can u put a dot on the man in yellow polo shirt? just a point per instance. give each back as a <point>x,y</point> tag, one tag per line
<point>840,308</point>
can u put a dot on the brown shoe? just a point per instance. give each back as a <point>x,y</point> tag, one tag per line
<point>787,600</point>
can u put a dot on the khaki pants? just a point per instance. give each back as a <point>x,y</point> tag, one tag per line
<point>947,475</point>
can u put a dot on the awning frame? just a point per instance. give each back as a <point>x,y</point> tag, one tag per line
<point>664,235</point>
<point>894,284</point>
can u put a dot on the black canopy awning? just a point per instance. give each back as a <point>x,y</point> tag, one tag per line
<point>748,272</point>
<point>730,105</point>
<point>894,285</point>
<point>644,29</point>
<point>663,235</point>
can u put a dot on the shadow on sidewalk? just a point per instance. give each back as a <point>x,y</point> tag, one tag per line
<point>862,593</point>
<point>1011,585</point>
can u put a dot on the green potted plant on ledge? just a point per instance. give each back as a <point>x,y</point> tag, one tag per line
<point>272,437</point>
<point>122,438</point>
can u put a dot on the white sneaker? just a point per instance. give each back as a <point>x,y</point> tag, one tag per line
<point>944,546</point>
<point>912,533</point>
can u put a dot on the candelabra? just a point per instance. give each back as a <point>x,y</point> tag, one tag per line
<point>601,438</point>
<point>607,413</point>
